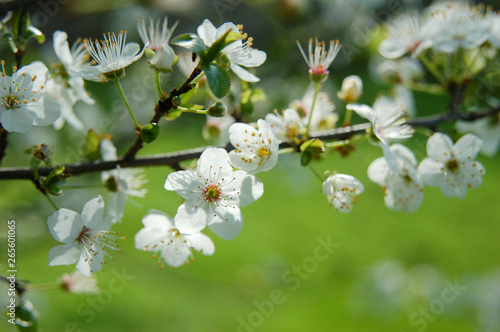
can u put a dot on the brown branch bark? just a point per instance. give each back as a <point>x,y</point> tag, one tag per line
<point>174,158</point>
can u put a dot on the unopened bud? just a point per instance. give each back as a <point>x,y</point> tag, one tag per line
<point>352,88</point>
<point>149,132</point>
<point>217,110</point>
<point>42,152</point>
<point>176,101</point>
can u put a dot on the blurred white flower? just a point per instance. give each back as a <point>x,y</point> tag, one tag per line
<point>78,283</point>
<point>216,129</point>
<point>453,168</point>
<point>402,70</point>
<point>286,126</point>
<point>404,36</point>
<point>396,173</point>
<point>175,248</point>
<point>342,191</point>
<point>121,182</point>
<point>452,25</point>
<point>487,129</point>
<point>387,118</point>
<point>323,117</point>
<point>351,90</point>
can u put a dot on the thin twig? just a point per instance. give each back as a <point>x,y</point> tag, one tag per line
<point>174,158</point>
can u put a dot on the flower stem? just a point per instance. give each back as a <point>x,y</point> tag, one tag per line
<point>320,178</point>
<point>287,150</point>
<point>118,84</point>
<point>316,90</point>
<point>347,117</point>
<point>43,287</point>
<point>158,90</point>
<point>51,201</point>
<point>433,69</point>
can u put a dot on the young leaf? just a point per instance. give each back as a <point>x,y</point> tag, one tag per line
<point>218,45</point>
<point>191,42</point>
<point>218,79</point>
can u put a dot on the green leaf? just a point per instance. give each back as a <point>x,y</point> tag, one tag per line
<point>191,42</point>
<point>218,79</point>
<point>305,158</point>
<point>20,22</point>
<point>313,146</point>
<point>56,177</point>
<point>90,148</point>
<point>218,45</point>
<point>172,114</point>
<point>26,317</point>
<point>150,132</point>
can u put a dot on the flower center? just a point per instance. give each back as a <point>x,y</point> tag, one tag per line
<point>11,101</point>
<point>211,193</point>
<point>452,165</point>
<point>263,154</point>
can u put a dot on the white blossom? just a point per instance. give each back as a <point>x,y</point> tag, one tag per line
<point>240,53</point>
<point>323,117</point>
<point>157,39</point>
<point>23,102</point>
<point>453,168</point>
<point>85,237</point>
<point>216,129</point>
<point>387,118</point>
<point>112,54</point>
<point>351,89</point>
<point>342,191</point>
<point>452,25</point>
<point>73,59</point>
<point>396,173</point>
<point>320,60</point>
<point>286,126</point>
<point>404,36</point>
<point>160,236</point>
<point>487,129</point>
<point>213,193</point>
<point>255,150</point>
<point>78,283</point>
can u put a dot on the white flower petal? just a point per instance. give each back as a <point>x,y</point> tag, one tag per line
<point>183,182</point>
<point>64,225</point>
<point>439,146</point>
<point>201,243</point>
<point>229,225</point>
<point>17,120</point>
<point>191,219</point>
<point>250,188</point>
<point>92,213</point>
<point>467,147</point>
<point>243,74</point>
<point>64,254</point>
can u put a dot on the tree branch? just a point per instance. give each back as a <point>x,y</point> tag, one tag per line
<point>3,142</point>
<point>162,107</point>
<point>174,158</point>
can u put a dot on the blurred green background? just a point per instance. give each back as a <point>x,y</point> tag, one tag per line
<point>387,269</point>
